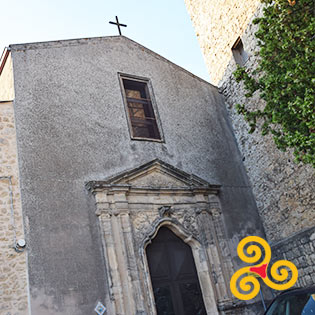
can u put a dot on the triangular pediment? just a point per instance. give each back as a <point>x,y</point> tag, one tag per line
<point>155,175</point>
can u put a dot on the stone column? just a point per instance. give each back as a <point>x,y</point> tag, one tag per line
<point>208,229</point>
<point>119,252</point>
<point>133,280</point>
<point>223,249</point>
<point>111,261</point>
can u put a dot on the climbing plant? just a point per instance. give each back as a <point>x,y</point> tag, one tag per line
<point>284,77</point>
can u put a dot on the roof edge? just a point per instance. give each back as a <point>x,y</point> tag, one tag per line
<point>79,41</point>
<point>151,52</point>
<point>62,42</point>
<point>4,57</point>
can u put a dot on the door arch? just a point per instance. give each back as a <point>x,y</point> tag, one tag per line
<point>174,276</point>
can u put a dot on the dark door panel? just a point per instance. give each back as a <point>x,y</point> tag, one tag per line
<point>174,277</point>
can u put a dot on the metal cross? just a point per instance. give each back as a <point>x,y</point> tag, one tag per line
<point>118,25</point>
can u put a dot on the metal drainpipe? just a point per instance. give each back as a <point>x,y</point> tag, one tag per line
<point>9,178</point>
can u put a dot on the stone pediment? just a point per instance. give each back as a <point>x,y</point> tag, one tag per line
<point>155,175</point>
<point>155,178</point>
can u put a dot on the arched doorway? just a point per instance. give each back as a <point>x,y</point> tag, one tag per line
<point>174,277</point>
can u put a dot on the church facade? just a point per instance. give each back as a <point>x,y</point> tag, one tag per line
<point>112,160</point>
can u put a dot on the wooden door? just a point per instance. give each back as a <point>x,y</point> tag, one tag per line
<point>174,277</point>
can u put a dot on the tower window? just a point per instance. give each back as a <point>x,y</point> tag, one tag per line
<point>239,54</point>
<point>141,116</point>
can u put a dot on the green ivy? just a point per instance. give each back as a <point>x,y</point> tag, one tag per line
<point>284,77</point>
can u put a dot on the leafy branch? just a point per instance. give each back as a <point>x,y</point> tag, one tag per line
<point>285,72</point>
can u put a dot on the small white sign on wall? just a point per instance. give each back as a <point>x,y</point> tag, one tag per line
<point>100,309</point>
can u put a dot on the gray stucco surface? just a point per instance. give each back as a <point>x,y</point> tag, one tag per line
<point>72,128</point>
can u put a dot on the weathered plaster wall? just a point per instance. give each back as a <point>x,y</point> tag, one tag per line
<point>72,128</point>
<point>13,268</point>
<point>218,24</point>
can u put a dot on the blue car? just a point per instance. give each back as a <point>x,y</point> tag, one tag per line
<point>299,301</point>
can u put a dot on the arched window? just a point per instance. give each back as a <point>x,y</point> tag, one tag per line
<point>174,277</point>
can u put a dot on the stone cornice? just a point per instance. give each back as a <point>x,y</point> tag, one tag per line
<point>179,180</point>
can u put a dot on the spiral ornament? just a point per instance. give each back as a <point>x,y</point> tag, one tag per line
<point>247,256</point>
<point>244,284</point>
<point>283,275</point>
<point>247,283</point>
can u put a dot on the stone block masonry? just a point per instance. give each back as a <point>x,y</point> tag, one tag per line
<point>299,249</point>
<point>13,270</point>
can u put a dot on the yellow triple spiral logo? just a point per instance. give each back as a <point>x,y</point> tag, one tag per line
<point>246,277</point>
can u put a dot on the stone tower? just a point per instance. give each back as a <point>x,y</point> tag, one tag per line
<point>284,191</point>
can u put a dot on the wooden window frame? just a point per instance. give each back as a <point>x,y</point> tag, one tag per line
<point>147,82</point>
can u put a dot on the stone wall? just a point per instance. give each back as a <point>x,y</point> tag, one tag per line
<point>283,189</point>
<point>13,272</point>
<point>218,24</point>
<point>300,249</point>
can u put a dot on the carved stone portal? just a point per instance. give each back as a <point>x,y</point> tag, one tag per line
<point>133,206</point>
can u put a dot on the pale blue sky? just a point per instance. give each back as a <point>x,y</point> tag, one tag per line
<point>163,26</point>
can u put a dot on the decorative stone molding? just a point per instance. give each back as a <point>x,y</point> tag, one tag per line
<point>133,206</point>
<point>165,211</point>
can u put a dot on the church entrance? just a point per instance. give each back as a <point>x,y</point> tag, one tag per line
<point>163,233</point>
<point>174,277</point>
